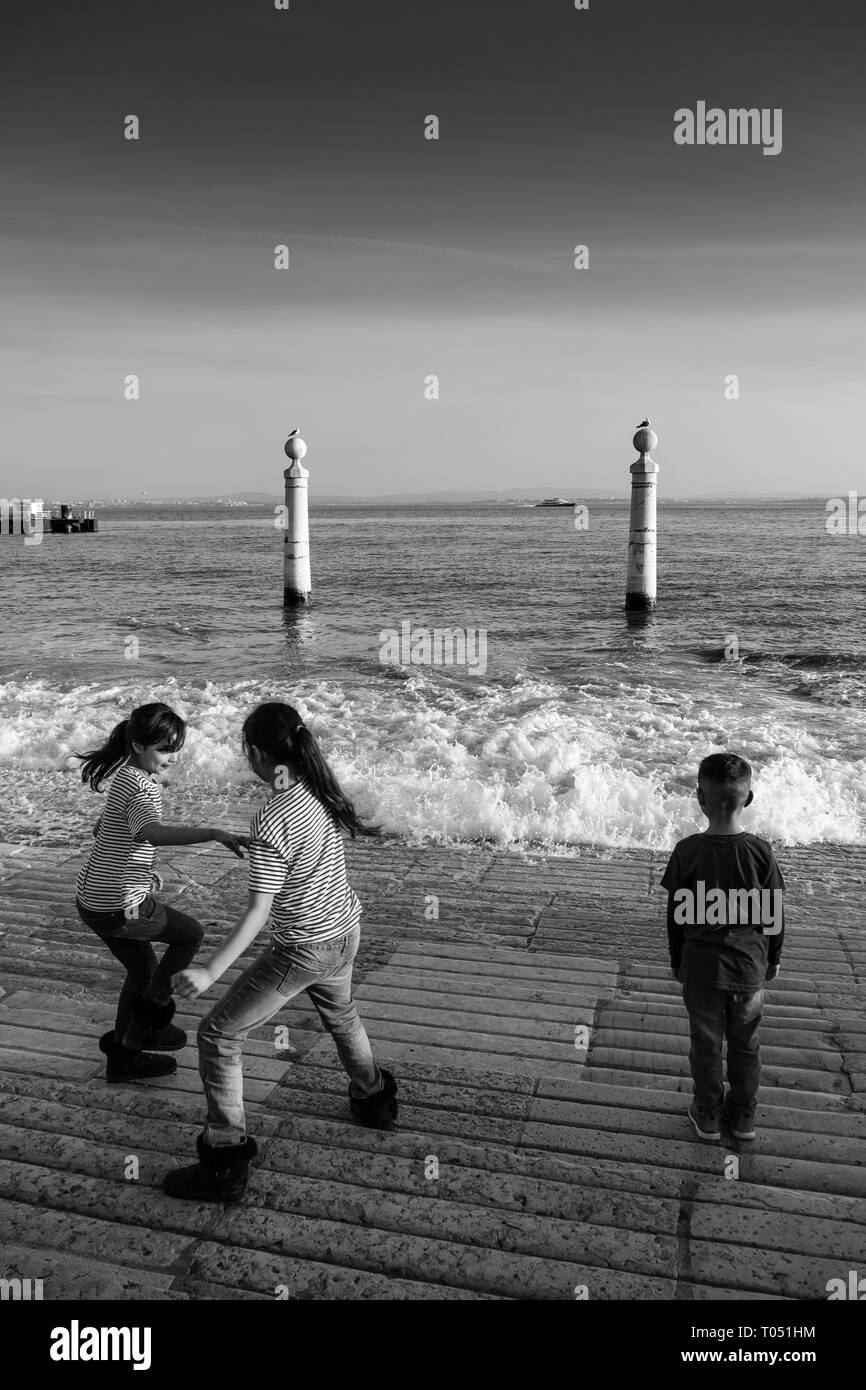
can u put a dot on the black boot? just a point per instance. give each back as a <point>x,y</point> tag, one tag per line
<point>379,1110</point>
<point>151,1027</point>
<point>125,1065</point>
<point>220,1176</point>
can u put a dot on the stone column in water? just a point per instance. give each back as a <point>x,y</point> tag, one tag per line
<point>640,589</point>
<point>297,585</point>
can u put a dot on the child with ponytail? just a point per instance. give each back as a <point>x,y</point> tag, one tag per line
<point>113,894</point>
<point>298,882</point>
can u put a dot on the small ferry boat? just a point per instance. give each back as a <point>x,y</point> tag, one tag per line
<point>555,502</point>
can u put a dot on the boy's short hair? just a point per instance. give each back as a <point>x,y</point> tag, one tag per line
<point>728,778</point>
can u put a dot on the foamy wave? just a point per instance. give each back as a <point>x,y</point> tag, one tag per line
<point>533,763</point>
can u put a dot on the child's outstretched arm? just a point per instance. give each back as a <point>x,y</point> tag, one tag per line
<point>190,983</point>
<point>155,833</point>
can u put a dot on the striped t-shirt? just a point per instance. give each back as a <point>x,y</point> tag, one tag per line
<point>296,852</point>
<point>119,870</point>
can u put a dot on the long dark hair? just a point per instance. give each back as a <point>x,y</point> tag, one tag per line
<point>280,733</point>
<point>155,725</point>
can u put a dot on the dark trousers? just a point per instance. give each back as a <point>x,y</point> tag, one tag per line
<point>716,1015</point>
<point>129,941</point>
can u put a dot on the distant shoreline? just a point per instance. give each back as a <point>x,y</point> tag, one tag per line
<point>527,499</point>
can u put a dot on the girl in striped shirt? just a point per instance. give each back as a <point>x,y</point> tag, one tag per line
<point>298,882</point>
<point>113,894</point>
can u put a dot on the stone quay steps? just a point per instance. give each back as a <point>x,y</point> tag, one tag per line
<point>522,1165</point>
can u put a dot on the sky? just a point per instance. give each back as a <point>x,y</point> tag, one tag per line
<point>412,258</point>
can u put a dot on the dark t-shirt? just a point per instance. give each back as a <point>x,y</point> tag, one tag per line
<point>734,954</point>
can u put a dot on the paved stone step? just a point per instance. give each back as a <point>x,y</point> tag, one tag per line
<point>32,1212</point>
<point>499,1271</point>
<point>37,961</point>
<point>54,1230</point>
<point>36,1042</point>
<point>513,1004</point>
<point>778,1143</point>
<point>51,974</point>
<point>428,1012</point>
<point>82,1019</point>
<point>331,1135</point>
<point>706,1293</point>
<point>648,1061</point>
<point>780,1109</point>
<point>40,1064</point>
<point>32,971</point>
<point>15,909</point>
<point>764,1271</point>
<point>305,1188</point>
<point>701,1156</point>
<point>86,951</point>
<point>421,1213</point>
<point>85,1019</point>
<point>100,1144</point>
<point>545,1002</point>
<point>437,1110</point>
<point>761,1231</point>
<point>558,928</point>
<point>393,1050</point>
<point>672,1018</point>
<point>88,1021</point>
<point>482,960</point>
<point>797,974</point>
<point>260,1271</point>
<point>805,1056</point>
<point>533,1138</point>
<point>630,984</point>
<point>775,1112</point>
<point>544,1054</point>
<point>665,1045</point>
<point>473,1126</point>
<point>793,1094</point>
<point>66,1275</point>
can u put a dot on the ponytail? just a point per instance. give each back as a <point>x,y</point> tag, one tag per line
<point>280,733</point>
<point>156,726</point>
<point>99,764</point>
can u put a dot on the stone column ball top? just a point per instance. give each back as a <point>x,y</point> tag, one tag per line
<point>646,439</point>
<point>295,446</point>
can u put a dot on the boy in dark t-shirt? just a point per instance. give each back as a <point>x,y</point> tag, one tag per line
<point>725,932</point>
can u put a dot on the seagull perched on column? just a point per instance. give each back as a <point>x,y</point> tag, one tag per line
<point>643,424</point>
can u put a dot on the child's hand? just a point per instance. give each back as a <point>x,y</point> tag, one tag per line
<point>192,982</point>
<point>232,841</point>
<point>156,881</point>
<point>773,972</point>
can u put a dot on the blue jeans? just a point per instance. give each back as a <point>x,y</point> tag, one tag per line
<point>716,1014</point>
<point>278,975</point>
<point>129,941</point>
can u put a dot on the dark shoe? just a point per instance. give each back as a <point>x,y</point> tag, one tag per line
<point>742,1128</point>
<point>126,1065</point>
<point>151,1027</point>
<point>378,1111</point>
<point>706,1126</point>
<point>742,1124</point>
<point>221,1175</point>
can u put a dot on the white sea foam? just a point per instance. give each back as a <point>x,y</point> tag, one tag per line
<point>532,763</point>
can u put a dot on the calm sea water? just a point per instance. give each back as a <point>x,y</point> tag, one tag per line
<point>582,728</point>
